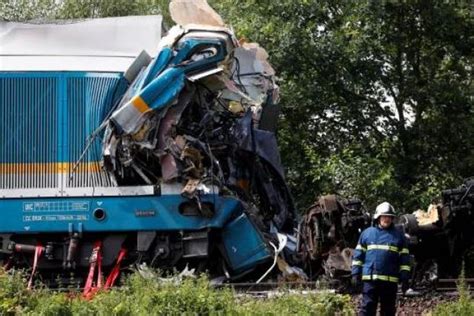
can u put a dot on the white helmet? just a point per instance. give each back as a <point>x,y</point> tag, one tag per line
<point>385,209</point>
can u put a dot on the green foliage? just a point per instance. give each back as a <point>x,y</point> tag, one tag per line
<point>13,292</point>
<point>140,296</point>
<point>73,9</point>
<point>320,304</point>
<point>464,306</point>
<point>354,172</point>
<point>377,96</point>
<point>25,10</point>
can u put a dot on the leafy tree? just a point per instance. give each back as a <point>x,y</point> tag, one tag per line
<point>377,97</point>
<point>25,10</point>
<point>108,8</point>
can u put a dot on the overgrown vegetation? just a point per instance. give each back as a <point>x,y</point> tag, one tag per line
<point>141,296</point>
<point>464,306</point>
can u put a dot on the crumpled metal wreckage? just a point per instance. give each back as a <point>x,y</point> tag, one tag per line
<point>441,238</point>
<point>328,232</point>
<point>201,117</point>
<point>190,173</point>
<point>180,166</point>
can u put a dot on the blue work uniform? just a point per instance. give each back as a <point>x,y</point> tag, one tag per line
<point>382,258</point>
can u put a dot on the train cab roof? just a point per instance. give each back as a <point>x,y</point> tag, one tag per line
<point>90,45</point>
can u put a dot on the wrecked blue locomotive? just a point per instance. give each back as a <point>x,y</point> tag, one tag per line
<point>109,157</point>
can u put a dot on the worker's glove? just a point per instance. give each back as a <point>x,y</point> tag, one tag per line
<point>355,281</point>
<point>405,287</point>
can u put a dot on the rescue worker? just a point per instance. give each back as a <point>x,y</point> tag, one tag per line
<point>380,261</point>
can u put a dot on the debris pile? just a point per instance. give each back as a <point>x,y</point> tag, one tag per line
<point>440,237</point>
<point>329,229</point>
<point>201,119</point>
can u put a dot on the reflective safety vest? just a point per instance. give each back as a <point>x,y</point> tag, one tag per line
<point>382,254</point>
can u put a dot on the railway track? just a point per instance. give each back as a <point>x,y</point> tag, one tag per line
<point>442,285</point>
<point>445,286</point>
<point>448,285</point>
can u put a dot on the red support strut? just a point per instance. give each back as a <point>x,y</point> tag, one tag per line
<point>95,260</point>
<point>116,270</point>
<point>38,252</point>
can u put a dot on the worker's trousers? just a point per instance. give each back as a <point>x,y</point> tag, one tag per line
<point>374,292</point>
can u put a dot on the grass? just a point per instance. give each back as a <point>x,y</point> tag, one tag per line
<point>464,306</point>
<point>140,296</point>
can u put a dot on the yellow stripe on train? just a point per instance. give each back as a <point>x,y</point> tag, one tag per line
<point>46,168</point>
<point>140,104</point>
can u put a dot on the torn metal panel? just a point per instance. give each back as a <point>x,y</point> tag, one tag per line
<point>142,60</point>
<point>261,142</point>
<point>158,94</point>
<point>244,255</point>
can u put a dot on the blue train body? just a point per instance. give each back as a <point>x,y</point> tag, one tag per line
<point>172,161</point>
<point>46,118</point>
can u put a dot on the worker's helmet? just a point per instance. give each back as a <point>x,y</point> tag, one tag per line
<point>385,209</point>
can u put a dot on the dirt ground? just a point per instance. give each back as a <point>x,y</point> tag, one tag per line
<point>417,305</point>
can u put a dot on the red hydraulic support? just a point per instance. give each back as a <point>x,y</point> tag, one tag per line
<point>116,269</point>
<point>95,261</point>
<point>38,252</point>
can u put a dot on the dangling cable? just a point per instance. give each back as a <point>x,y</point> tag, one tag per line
<point>282,240</point>
<point>273,265</point>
